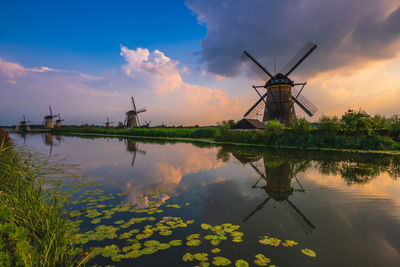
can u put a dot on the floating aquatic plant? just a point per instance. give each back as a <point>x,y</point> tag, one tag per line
<point>309,252</point>
<point>261,260</point>
<point>221,261</point>
<point>241,263</point>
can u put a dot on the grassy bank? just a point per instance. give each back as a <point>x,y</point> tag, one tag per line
<point>205,132</point>
<point>34,229</point>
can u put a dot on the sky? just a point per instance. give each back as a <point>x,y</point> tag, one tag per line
<point>181,59</point>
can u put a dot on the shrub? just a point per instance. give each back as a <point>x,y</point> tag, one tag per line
<point>329,125</point>
<point>301,125</point>
<point>357,123</point>
<point>274,127</point>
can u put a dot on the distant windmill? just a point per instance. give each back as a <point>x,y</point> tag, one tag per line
<point>108,123</point>
<point>24,122</point>
<point>59,120</point>
<point>132,118</point>
<point>147,124</point>
<point>280,95</point>
<point>48,120</point>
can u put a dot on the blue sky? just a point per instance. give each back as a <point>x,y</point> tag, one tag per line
<point>180,59</point>
<point>69,34</point>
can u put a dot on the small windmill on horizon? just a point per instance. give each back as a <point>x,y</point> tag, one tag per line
<point>59,120</point>
<point>24,122</point>
<point>108,123</point>
<point>280,96</point>
<point>132,118</point>
<point>48,120</point>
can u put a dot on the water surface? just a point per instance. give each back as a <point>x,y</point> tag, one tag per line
<point>345,207</point>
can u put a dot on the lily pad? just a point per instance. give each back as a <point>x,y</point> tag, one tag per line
<point>164,246</point>
<point>187,257</point>
<point>133,254</point>
<point>205,226</point>
<point>241,263</point>
<point>215,250</point>
<point>221,261</point>
<point>201,256</point>
<point>175,243</point>
<point>309,252</point>
<point>149,250</point>
<point>151,243</point>
<point>193,236</point>
<point>193,242</point>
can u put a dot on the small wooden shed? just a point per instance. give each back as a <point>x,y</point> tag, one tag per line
<point>248,124</point>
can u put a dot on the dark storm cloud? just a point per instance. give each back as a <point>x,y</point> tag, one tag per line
<point>346,32</point>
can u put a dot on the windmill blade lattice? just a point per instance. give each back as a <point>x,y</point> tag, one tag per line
<point>303,103</point>
<point>256,66</point>
<point>300,56</point>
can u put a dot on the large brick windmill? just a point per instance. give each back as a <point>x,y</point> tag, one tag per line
<point>132,118</point>
<point>281,94</point>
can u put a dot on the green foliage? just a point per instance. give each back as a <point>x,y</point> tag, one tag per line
<point>274,127</point>
<point>204,132</point>
<point>33,232</point>
<point>223,129</point>
<point>357,123</point>
<point>301,125</point>
<point>329,125</point>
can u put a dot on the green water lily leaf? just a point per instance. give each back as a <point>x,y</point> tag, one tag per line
<point>215,250</point>
<point>187,257</point>
<point>205,226</point>
<point>175,243</point>
<point>151,243</point>
<point>165,232</point>
<point>193,236</point>
<point>261,260</point>
<point>235,234</point>
<point>149,250</point>
<point>241,263</point>
<point>84,240</point>
<point>96,221</point>
<point>221,261</point>
<point>215,242</point>
<point>133,254</point>
<point>309,252</point>
<point>237,239</point>
<point>117,257</point>
<point>109,251</point>
<point>193,243</point>
<point>164,246</point>
<point>119,222</point>
<point>201,256</point>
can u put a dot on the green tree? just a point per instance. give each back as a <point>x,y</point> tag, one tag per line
<point>274,127</point>
<point>301,125</point>
<point>329,125</point>
<point>357,122</point>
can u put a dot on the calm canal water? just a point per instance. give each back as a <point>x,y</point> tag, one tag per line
<point>344,207</point>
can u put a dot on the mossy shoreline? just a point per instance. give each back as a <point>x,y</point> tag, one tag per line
<point>211,141</point>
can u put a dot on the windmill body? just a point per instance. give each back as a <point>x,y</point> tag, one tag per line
<point>48,120</point>
<point>132,118</point>
<point>59,120</point>
<point>280,96</point>
<point>108,123</point>
<point>24,122</point>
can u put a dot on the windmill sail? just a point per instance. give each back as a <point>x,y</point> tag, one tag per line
<point>256,66</point>
<point>303,103</point>
<point>300,56</point>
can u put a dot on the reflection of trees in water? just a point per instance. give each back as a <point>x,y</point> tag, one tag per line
<point>354,168</point>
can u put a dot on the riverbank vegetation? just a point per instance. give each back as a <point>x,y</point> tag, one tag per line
<point>176,132</point>
<point>354,130</point>
<point>34,228</point>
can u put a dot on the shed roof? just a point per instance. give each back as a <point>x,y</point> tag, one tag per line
<point>249,124</point>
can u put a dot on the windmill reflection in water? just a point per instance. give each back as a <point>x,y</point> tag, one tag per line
<point>133,147</point>
<point>277,177</point>
<point>48,140</point>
